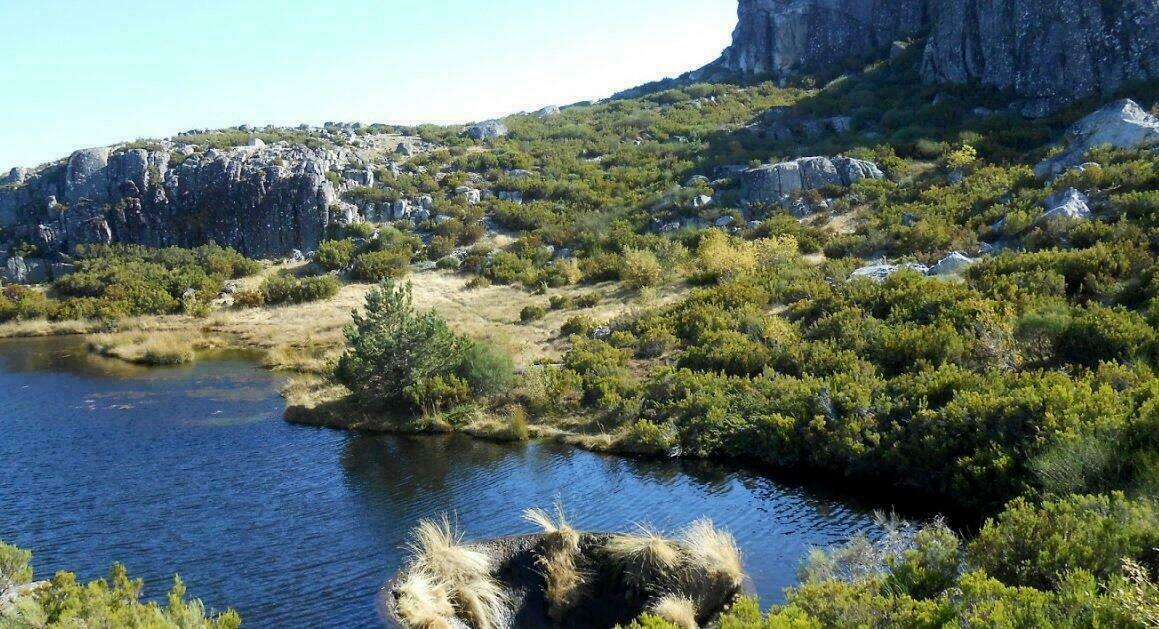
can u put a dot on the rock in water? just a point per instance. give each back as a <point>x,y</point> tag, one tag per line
<point>1048,51</point>
<point>1122,124</point>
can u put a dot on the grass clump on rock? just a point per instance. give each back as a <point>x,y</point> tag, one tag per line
<point>444,570</point>
<point>562,577</point>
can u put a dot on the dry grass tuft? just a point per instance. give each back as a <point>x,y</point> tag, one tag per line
<point>422,604</point>
<point>678,610</point>
<point>439,554</point>
<point>644,557</point>
<point>152,348</point>
<point>714,550</point>
<point>565,581</point>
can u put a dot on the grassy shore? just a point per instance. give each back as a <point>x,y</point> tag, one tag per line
<point>306,339</point>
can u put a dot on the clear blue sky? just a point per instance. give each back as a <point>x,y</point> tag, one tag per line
<point>79,73</point>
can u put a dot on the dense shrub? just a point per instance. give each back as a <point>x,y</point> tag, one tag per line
<point>376,266</point>
<point>335,255</point>
<point>287,289</point>
<point>487,369</point>
<point>1037,545</point>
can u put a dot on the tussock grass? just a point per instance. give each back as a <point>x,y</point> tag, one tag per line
<point>439,554</point>
<point>152,348</point>
<point>644,557</point>
<point>422,603</point>
<point>676,609</point>
<point>564,580</point>
<point>714,551</point>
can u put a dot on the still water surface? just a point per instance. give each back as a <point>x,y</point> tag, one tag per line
<point>192,470</point>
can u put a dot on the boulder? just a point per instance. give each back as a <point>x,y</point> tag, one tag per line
<point>878,272</point>
<point>487,130</point>
<point>548,111</point>
<point>702,200</point>
<point>85,175</point>
<point>400,209</point>
<point>1122,124</point>
<point>19,270</point>
<point>952,264</point>
<point>1065,206</point>
<point>772,183</point>
<point>16,176</point>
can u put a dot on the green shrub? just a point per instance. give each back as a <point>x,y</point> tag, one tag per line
<point>376,266</point>
<point>449,263</point>
<point>1035,545</point>
<point>335,255</point>
<point>287,289</point>
<point>640,269</point>
<point>532,312</point>
<point>487,369</point>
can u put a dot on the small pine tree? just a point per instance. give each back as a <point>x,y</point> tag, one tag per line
<point>391,348</point>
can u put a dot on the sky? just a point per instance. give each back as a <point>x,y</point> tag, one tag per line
<point>78,73</point>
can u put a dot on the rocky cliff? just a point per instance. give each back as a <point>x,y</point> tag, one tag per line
<point>263,200</point>
<point>1047,51</point>
<point>790,37</point>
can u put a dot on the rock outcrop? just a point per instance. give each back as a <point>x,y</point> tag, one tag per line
<point>1122,124</point>
<point>790,37</point>
<point>263,200</point>
<point>774,183</point>
<point>1047,51</point>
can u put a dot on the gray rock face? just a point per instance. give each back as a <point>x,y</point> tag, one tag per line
<point>1048,51</point>
<point>262,201</point>
<point>1051,51</point>
<point>772,183</point>
<point>790,37</point>
<point>1122,124</point>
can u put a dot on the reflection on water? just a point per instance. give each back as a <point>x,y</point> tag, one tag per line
<point>191,470</point>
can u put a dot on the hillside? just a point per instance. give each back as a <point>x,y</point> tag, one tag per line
<point>907,286</point>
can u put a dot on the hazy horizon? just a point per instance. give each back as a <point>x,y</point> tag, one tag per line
<point>117,72</point>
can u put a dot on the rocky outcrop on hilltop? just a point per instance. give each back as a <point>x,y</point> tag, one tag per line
<point>263,200</point>
<point>1047,51</point>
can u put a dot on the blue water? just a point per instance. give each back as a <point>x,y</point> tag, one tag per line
<point>192,470</point>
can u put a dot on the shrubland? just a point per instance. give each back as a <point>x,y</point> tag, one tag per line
<point>63,601</point>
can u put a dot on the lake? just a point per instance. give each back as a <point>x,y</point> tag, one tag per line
<point>192,470</point>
